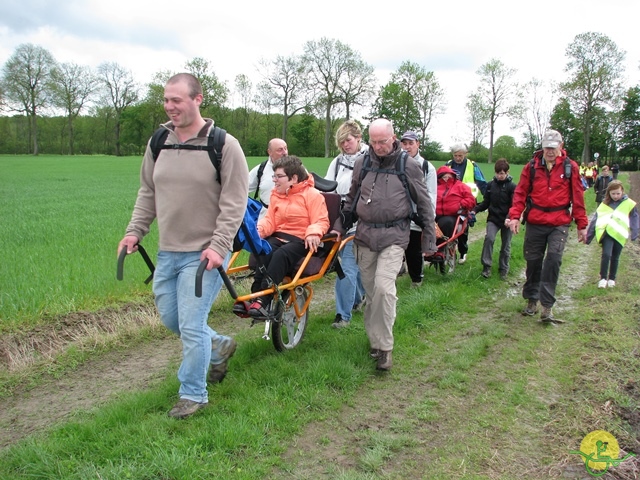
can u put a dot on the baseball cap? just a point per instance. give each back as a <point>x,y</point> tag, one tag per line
<point>551,139</point>
<point>409,135</point>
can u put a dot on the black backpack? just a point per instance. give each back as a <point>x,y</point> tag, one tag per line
<point>399,170</point>
<point>214,145</point>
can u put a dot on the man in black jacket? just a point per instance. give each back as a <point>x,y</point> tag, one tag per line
<point>497,199</point>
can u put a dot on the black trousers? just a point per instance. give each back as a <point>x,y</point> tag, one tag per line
<point>279,263</point>
<point>413,255</point>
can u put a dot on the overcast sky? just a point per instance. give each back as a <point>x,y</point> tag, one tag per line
<point>451,38</point>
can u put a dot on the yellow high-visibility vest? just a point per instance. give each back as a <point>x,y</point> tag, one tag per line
<point>614,222</point>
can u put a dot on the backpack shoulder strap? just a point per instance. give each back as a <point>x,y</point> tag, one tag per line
<point>215,142</point>
<point>157,141</point>
<point>260,172</point>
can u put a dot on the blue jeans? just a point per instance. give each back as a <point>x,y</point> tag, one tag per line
<point>186,315</point>
<point>349,290</point>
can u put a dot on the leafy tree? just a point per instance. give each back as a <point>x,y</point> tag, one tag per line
<point>286,85</point>
<point>564,120</point>
<point>72,86</point>
<point>25,77</point>
<point>214,91</point>
<point>499,95</point>
<point>333,65</point>
<point>630,131</point>
<point>410,99</point>
<point>595,71</point>
<point>120,91</point>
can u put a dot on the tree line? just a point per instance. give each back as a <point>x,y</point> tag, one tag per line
<point>66,108</point>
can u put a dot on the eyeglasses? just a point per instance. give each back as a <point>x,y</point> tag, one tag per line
<point>379,142</point>
<point>278,176</point>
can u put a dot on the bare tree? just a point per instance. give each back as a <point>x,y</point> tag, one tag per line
<point>500,95</point>
<point>595,69</point>
<point>244,88</point>
<point>72,86</point>
<point>120,92</point>
<point>429,100</point>
<point>329,61</point>
<point>25,77</point>
<point>358,84</point>
<point>286,82</point>
<point>478,117</point>
<point>540,98</point>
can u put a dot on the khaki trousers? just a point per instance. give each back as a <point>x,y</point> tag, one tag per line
<point>379,271</point>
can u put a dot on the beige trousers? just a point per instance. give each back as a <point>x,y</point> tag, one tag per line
<point>379,271</point>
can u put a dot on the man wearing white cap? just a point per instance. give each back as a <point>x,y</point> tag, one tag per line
<point>549,196</point>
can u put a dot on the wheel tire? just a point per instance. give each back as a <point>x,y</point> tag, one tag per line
<point>451,254</point>
<point>288,330</point>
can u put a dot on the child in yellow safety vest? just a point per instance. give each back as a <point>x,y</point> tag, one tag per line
<point>615,221</point>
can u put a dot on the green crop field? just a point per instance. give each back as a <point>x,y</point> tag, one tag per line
<point>61,220</point>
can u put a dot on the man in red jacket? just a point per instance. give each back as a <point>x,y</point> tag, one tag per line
<point>547,203</point>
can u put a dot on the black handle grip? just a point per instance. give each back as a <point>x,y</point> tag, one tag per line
<point>225,278</point>
<point>121,257</point>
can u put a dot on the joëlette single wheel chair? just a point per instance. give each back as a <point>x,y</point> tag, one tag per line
<point>289,308</point>
<point>446,257</point>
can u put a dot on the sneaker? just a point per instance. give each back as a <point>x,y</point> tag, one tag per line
<point>416,284</point>
<point>257,310</point>
<point>240,309</point>
<point>403,269</point>
<point>218,371</point>
<point>611,283</point>
<point>602,283</point>
<point>504,275</point>
<point>384,361</point>
<point>462,259</point>
<point>486,272</point>
<point>531,309</point>
<point>546,316</point>
<point>185,408</point>
<point>341,323</point>
<point>359,307</point>
<point>374,353</point>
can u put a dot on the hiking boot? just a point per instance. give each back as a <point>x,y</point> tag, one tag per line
<point>374,353</point>
<point>531,309</point>
<point>503,275</point>
<point>611,283</point>
<point>416,284</point>
<point>185,408</point>
<point>462,259</point>
<point>339,322</point>
<point>486,272</point>
<point>602,283</point>
<point>218,371</point>
<point>384,361</point>
<point>546,316</point>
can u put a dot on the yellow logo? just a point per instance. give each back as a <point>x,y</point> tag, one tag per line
<point>600,450</point>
